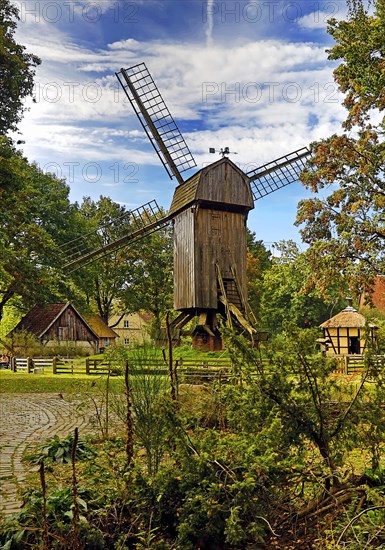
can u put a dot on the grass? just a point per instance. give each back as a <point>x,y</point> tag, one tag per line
<point>20,382</point>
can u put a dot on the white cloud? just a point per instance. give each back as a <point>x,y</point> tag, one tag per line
<point>257,97</point>
<point>318,20</point>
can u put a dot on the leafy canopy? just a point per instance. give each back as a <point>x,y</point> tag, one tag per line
<point>346,230</point>
<point>17,70</point>
<point>36,217</point>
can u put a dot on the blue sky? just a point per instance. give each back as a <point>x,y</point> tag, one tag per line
<point>250,75</point>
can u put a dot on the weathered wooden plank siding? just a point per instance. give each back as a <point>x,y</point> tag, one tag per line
<point>69,328</point>
<point>184,270</point>
<point>220,239</point>
<point>203,238</point>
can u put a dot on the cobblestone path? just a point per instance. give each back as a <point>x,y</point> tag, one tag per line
<point>27,419</point>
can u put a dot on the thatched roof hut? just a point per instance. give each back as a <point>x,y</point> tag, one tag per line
<point>346,332</point>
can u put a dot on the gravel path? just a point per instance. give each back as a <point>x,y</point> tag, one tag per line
<point>27,419</point>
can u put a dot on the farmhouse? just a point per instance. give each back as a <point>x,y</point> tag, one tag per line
<point>131,328</point>
<point>62,324</point>
<point>346,333</point>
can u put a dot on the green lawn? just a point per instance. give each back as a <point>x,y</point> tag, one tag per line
<point>20,382</point>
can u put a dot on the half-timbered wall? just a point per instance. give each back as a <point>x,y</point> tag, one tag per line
<point>344,339</point>
<point>205,237</point>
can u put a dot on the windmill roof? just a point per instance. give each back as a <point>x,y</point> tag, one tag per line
<point>203,187</point>
<point>347,318</point>
<point>185,193</point>
<point>99,327</point>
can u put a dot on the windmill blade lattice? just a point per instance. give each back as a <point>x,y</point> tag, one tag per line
<point>156,120</point>
<point>137,224</point>
<point>278,173</point>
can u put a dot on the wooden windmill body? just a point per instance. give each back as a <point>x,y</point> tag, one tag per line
<point>209,213</point>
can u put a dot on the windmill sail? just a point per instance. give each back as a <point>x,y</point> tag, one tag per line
<point>278,173</point>
<point>137,224</point>
<point>156,120</point>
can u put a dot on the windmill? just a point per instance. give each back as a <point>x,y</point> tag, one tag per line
<point>209,212</point>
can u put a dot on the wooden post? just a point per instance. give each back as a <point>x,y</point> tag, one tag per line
<point>29,365</point>
<point>54,363</point>
<point>346,364</point>
<point>87,365</point>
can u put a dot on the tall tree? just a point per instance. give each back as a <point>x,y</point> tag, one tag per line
<point>346,230</point>
<point>102,281</point>
<point>17,70</point>
<point>36,217</point>
<point>258,260</point>
<point>136,277</point>
<point>286,296</point>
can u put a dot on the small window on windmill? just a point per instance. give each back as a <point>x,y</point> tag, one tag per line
<point>126,324</point>
<point>215,224</point>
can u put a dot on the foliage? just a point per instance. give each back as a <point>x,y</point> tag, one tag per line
<point>10,319</point>
<point>275,455</point>
<point>286,296</point>
<point>36,218</point>
<point>103,281</point>
<point>59,450</point>
<point>258,261</point>
<point>148,396</point>
<point>346,230</point>
<point>17,70</point>
<point>132,278</point>
<point>149,285</point>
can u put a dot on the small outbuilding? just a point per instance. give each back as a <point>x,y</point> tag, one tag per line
<point>346,333</point>
<point>106,336</point>
<point>61,324</point>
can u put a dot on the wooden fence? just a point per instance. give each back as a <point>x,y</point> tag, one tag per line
<point>34,365</point>
<point>190,369</point>
<point>211,368</point>
<point>351,364</point>
<point>38,365</point>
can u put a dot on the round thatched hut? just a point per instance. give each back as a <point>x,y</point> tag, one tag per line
<point>346,333</point>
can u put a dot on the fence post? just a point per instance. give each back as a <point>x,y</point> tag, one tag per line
<point>29,365</point>
<point>54,363</point>
<point>87,365</point>
<point>346,364</point>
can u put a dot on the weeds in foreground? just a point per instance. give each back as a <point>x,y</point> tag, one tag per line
<point>269,470</point>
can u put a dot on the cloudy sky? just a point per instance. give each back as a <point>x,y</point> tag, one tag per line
<point>249,75</point>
